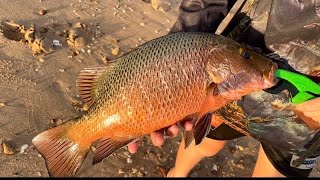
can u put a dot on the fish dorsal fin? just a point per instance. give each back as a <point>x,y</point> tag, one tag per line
<point>86,82</point>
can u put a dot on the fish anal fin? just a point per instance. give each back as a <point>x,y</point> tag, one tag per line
<point>107,146</point>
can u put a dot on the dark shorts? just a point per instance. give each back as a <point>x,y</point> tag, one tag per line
<point>280,159</point>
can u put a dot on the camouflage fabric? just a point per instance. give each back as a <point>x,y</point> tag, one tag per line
<point>288,28</point>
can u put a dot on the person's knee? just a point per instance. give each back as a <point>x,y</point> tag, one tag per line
<point>264,167</point>
<point>210,147</point>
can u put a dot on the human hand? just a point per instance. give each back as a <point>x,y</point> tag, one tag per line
<point>309,112</point>
<point>159,136</point>
<point>201,15</point>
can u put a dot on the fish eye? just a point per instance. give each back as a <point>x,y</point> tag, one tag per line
<point>244,53</point>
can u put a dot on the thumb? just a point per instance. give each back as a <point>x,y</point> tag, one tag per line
<point>309,106</point>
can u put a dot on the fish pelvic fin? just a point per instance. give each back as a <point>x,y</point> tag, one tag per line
<point>63,155</point>
<point>188,138</point>
<point>202,128</point>
<point>107,146</point>
<point>86,82</point>
<point>202,122</point>
<point>188,135</point>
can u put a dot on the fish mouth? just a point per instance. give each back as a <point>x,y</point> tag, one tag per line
<point>269,75</point>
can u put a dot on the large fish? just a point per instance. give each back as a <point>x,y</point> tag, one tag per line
<point>154,86</point>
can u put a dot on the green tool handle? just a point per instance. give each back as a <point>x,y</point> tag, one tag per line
<point>302,97</point>
<point>307,88</point>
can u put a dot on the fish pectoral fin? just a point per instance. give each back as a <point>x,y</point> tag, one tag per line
<point>107,146</point>
<point>211,89</point>
<point>63,155</point>
<point>86,81</point>
<point>202,127</point>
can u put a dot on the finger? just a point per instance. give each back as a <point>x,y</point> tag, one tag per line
<point>315,116</point>
<point>133,146</point>
<point>157,138</point>
<point>188,125</point>
<point>172,131</point>
<point>311,105</point>
<point>310,118</point>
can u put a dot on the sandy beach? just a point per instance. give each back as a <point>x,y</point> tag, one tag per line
<point>43,46</point>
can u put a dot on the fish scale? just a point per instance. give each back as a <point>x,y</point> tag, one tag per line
<point>165,102</point>
<point>152,87</point>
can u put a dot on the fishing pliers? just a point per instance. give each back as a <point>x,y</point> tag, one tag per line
<point>301,87</point>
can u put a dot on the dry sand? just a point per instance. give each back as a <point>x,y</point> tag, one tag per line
<point>37,82</point>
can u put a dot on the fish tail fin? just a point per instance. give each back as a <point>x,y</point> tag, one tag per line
<point>63,155</point>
